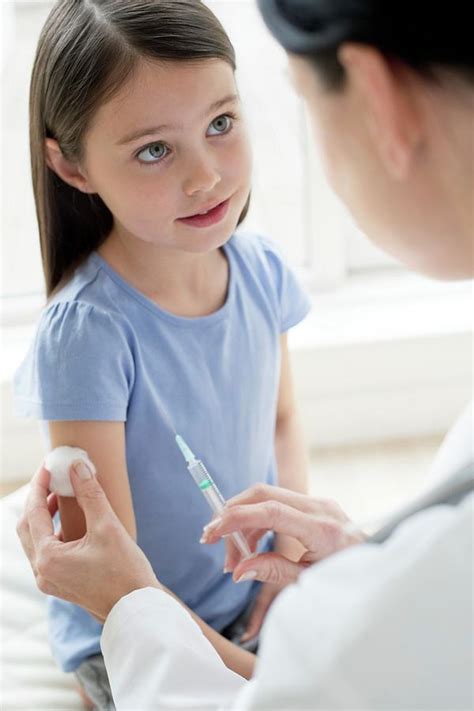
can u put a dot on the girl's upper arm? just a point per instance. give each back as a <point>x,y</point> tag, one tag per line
<point>105,444</point>
<point>286,397</point>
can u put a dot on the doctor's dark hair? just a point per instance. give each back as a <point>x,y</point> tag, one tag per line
<point>428,36</point>
<point>86,51</point>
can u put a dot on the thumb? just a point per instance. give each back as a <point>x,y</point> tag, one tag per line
<point>269,568</point>
<point>89,494</point>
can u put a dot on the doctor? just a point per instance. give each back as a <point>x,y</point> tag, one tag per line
<point>385,623</point>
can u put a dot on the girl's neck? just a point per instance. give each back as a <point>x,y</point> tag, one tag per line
<point>183,283</point>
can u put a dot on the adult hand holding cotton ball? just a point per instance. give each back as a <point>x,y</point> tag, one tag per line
<point>59,461</point>
<point>95,571</point>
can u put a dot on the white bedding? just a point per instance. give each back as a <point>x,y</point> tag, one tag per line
<point>30,678</point>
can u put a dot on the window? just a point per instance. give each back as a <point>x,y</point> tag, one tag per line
<point>22,280</point>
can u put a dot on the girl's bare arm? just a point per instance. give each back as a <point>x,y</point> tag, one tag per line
<point>105,444</point>
<point>291,453</point>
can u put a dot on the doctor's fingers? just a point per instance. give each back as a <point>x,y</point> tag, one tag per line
<point>268,568</point>
<point>36,525</point>
<point>92,499</point>
<point>59,568</point>
<point>260,493</point>
<point>320,534</point>
<point>233,554</point>
<point>266,516</point>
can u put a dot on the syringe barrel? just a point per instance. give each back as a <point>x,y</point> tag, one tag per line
<point>215,500</point>
<point>200,474</point>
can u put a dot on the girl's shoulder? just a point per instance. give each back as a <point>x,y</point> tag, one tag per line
<point>84,315</point>
<point>259,256</point>
<point>254,246</point>
<point>69,320</point>
<point>83,303</point>
<point>266,275</point>
<point>83,286</point>
<point>80,364</point>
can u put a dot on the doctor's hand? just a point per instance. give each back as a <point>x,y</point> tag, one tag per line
<point>267,591</point>
<point>98,569</point>
<point>320,525</point>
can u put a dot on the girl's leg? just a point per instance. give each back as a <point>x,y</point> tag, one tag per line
<point>236,629</point>
<point>88,704</point>
<point>94,682</point>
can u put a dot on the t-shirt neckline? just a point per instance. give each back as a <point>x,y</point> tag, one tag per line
<point>185,321</point>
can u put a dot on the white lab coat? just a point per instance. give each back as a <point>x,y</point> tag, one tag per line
<point>374,627</point>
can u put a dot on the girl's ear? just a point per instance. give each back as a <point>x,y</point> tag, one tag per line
<point>68,171</point>
<point>387,105</point>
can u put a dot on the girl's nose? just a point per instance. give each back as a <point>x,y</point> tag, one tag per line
<point>201,176</point>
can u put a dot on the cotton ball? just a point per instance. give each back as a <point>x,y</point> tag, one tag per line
<point>58,463</point>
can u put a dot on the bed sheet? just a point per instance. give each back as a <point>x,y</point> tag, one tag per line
<point>29,677</point>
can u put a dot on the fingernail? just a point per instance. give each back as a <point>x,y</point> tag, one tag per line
<point>212,525</point>
<point>227,570</point>
<point>82,470</point>
<point>248,575</point>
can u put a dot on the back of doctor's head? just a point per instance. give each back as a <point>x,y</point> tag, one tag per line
<point>392,112</point>
<point>429,36</point>
<point>86,52</point>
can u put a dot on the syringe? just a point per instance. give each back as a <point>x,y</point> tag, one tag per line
<point>209,489</point>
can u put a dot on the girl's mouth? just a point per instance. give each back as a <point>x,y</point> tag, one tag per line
<point>211,217</point>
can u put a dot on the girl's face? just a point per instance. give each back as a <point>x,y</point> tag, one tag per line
<point>171,145</point>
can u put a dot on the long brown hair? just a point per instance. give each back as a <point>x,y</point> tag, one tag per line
<point>86,51</point>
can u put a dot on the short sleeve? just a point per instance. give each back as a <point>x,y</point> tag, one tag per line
<point>79,367</point>
<point>293,301</point>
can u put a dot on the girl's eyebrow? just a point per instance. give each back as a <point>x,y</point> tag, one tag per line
<point>230,98</point>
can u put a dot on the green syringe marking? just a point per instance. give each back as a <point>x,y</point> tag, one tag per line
<point>205,484</point>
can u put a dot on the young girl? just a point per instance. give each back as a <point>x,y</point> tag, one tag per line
<point>160,318</point>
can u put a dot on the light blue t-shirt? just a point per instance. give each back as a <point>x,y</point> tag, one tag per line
<point>104,351</point>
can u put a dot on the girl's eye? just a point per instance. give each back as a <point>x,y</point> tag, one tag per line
<point>221,124</point>
<point>153,153</point>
